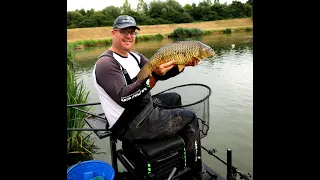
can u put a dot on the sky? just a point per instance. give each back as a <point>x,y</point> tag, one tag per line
<point>101,4</point>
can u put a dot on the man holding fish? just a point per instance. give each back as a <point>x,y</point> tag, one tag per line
<point>123,79</point>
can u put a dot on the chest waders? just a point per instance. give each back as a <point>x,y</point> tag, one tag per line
<point>134,110</point>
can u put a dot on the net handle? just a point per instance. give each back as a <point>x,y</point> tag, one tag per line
<point>180,106</point>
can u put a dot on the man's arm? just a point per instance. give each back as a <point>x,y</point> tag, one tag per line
<point>111,79</point>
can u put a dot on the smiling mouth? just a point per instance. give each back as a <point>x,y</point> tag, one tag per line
<point>127,41</point>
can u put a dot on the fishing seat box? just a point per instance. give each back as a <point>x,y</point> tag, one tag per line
<point>155,159</point>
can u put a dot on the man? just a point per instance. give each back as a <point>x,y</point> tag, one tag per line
<point>127,102</point>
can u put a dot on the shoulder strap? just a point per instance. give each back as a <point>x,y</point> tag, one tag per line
<point>135,59</point>
<point>124,71</point>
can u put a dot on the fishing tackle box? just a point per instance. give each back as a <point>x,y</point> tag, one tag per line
<point>156,159</point>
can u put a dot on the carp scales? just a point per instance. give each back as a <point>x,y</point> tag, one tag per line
<point>181,51</point>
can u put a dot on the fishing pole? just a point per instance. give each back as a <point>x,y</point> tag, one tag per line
<point>104,119</point>
<point>95,115</point>
<point>234,169</point>
<point>84,104</point>
<point>86,129</point>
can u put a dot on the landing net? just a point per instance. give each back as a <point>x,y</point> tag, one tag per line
<point>194,97</point>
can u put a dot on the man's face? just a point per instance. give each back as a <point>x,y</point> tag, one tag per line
<point>124,39</point>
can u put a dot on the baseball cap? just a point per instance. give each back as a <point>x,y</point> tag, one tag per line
<point>125,21</point>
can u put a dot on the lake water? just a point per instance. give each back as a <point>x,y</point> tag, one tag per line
<point>230,77</point>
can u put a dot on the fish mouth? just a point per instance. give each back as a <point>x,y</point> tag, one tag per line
<point>211,55</point>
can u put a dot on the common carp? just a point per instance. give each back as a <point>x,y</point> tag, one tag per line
<point>180,51</point>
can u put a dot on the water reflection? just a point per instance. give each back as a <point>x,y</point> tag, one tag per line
<point>86,58</point>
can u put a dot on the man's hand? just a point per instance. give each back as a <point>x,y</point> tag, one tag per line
<point>164,68</point>
<point>193,62</point>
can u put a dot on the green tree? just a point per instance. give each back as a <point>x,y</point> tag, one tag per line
<point>187,8</point>
<point>100,19</point>
<point>90,12</point>
<point>237,9</point>
<point>82,11</point>
<point>220,9</point>
<point>156,8</point>
<point>73,19</point>
<point>205,12</point>
<point>88,23</point>
<point>125,8</point>
<point>142,7</point>
<point>111,12</point>
<point>174,5</point>
<point>160,12</point>
<point>250,2</point>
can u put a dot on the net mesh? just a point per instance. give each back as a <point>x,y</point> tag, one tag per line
<point>194,97</point>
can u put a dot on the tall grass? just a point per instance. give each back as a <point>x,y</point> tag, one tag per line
<point>70,56</point>
<point>227,31</point>
<point>108,41</point>
<point>185,32</point>
<point>90,43</point>
<point>79,146</point>
<point>149,37</point>
<point>247,29</point>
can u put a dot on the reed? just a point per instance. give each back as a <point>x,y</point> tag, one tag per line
<point>227,31</point>
<point>247,29</point>
<point>79,145</point>
<point>185,32</point>
<point>149,37</point>
<point>70,56</point>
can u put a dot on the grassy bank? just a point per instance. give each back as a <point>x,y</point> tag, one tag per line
<point>179,32</point>
<point>101,33</point>
<point>108,41</point>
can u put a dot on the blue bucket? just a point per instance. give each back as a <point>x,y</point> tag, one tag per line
<point>89,169</point>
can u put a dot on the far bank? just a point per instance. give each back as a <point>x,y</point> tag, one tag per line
<point>97,33</point>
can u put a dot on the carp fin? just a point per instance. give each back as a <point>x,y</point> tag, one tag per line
<point>195,59</point>
<point>144,72</point>
<point>152,81</point>
<point>180,67</point>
